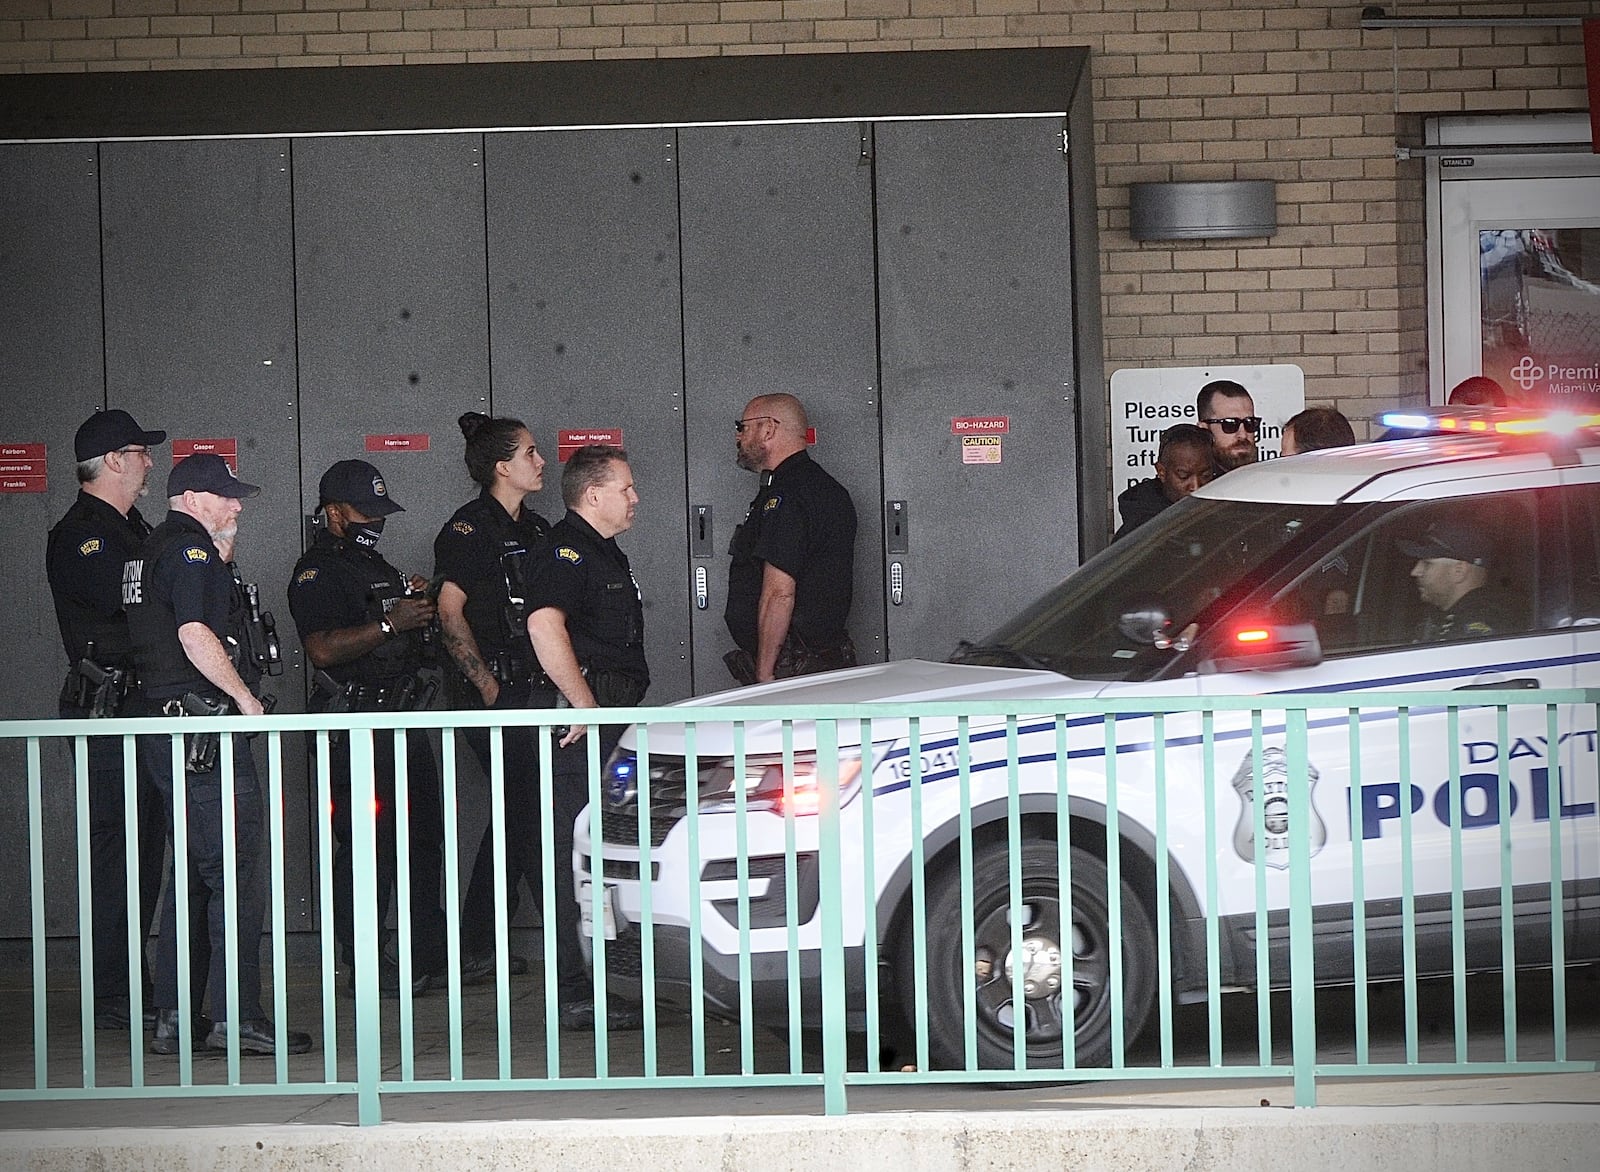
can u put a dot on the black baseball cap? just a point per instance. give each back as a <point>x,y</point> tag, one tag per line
<point>106,431</point>
<point>207,472</point>
<point>1460,540</point>
<point>358,483</point>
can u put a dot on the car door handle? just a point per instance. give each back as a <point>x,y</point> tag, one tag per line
<point>1521,682</point>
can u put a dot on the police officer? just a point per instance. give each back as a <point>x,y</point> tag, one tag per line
<point>187,623</point>
<point>84,558</point>
<point>363,626</point>
<point>481,561</point>
<point>793,557</point>
<point>1451,571</point>
<point>586,622</point>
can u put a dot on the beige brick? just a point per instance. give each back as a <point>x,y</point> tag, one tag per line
<point>242,25</point>
<point>208,47</point>
<point>148,47</point>
<point>1010,8</point>
<point>416,21</point>
<point>456,39</point>
<point>497,18</point>
<point>748,10</point>
<point>85,8</point>
<point>668,34</point>
<point>401,42</point>
<point>308,22</point>
<point>273,46</point>
<point>451,58</point>
<point>1266,42</point>
<point>592,38</point>
<point>128,26</point>
<point>333,43</point>
<point>1204,303</point>
<point>83,50</point>
<point>1164,22</point>
<point>208,7</point>
<point>627,14</point>
<point>326,5</point>
<point>873,9</point>
<point>1233,20</point>
<point>53,30</point>
<point>374,59</point>
<point>840,30</point>
<point>834,9</point>
<point>525,38</point>
<point>370,22</point>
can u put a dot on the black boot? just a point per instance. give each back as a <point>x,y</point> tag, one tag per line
<point>257,1037</point>
<point>166,1041</point>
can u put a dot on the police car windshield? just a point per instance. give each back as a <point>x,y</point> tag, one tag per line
<point>1195,560</point>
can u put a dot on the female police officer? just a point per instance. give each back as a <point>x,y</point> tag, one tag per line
<point>481,558</point>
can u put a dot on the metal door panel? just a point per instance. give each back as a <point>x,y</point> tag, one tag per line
<point>393,318</point>
<point>199,305</point>
<point>778,296</point>
<point>586,334</point>
<point>50,380</point>
<point>976,318</point>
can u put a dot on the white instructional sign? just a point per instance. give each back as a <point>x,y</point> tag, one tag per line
<point>1146,401</point>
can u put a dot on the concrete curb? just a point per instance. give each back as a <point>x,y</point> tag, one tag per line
<point>1334,1139</point>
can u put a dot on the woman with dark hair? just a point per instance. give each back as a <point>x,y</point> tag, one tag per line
<point>481,559</point>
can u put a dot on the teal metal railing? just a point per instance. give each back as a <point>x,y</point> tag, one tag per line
<point>1028,891</point>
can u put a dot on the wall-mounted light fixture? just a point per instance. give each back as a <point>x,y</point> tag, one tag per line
<point>1203,211</point>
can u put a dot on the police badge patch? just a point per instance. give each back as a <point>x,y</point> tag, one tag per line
<point>1274,782</point>
<point>195,554</point>
<point>567,554</point>
<point>462,527</point>
<point>772,503</point>
<point>307,575</point>
<point>89,548</point>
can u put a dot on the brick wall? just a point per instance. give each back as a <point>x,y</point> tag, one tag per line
<point>1184,89</point>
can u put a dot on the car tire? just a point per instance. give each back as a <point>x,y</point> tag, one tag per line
<point>1079,963</point>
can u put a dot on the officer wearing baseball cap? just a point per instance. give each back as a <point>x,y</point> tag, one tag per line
<point>1452,575</point>
<point>181,596</point>
<point>363,624</point>
<point>83,562</point>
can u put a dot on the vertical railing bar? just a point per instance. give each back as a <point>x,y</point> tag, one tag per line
<point>830,866</point>
<point>1119,1039</point>
<point>791,903</point>
<point>279,899</point>
<point>1408,895</point>
<point>1458,934</point>
<point>1358,886</point>
<point>180,885</point>
<point>1508,933</point>
<point>1163,904</point>
<point>545,750</point>
<point>502,927</point>
<point>1554,790</point>
<point>41,1037</point>
<point>741,831</point>
<point>364,924</point>
<point>1069,997</point>
<point>919,895</point>
<point>452,894</point>
<point>230,905</point>
<point>969,952</point>
<point>697,960</point>
<point>325,912</point>
<point>1019,965</point>
<point>1302,947</point>
<point>597,892</point>
<point>647,911</point>
<point>132,859</point>
<point>869,886</point>
<point>402,884</point>
<point>1258,814</point>
<point>1208,775</point>
<point>85,917</point>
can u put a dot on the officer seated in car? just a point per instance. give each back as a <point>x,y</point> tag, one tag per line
<point>1452,577</point>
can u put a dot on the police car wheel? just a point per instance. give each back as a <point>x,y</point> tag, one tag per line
<point>1066,967</point>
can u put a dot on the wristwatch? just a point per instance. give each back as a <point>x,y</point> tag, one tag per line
<point>387,628</point>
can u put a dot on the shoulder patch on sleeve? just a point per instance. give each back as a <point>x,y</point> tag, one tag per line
<point>772,503</point>
<point>306,575</point>
<point>462,527</point>
<point>90,548</point>
<point>567,554</point>
<point>1479,627</point>
<point>194,553</point>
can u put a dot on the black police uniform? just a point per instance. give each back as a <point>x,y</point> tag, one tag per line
<point>486,554</point>
<point>340,583</point>
<point>803,522</point>
<point>587,577</point>
<point>1477,614</point>
<point>179,577</point>
<point>84,558</point>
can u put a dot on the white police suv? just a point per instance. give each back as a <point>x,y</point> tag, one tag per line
<point>1457,562</point>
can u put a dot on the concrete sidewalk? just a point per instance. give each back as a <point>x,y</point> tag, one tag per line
<point>1335,1139</point>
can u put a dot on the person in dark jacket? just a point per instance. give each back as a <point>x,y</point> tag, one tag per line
<point>1184,461</point>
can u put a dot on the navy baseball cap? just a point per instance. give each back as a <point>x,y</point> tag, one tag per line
<point>358,483</point>
<point>1460,540</point>
<point>106,431</point>
<point>207,472</point>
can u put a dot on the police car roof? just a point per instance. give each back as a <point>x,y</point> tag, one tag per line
<point>1395,469</point>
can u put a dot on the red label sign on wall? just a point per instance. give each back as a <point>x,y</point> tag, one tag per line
<point>397,443</point>
<point>981,425</point>
<point>568,442</point>
<point>228,449</point>
<point>22,468</point>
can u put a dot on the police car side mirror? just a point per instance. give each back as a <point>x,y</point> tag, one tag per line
<point>1146,626</point>
<point>1250,646</point>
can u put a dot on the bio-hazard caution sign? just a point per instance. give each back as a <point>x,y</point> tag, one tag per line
<point>980,449</point>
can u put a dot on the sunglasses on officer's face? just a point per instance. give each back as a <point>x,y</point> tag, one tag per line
<point>1231,425</point>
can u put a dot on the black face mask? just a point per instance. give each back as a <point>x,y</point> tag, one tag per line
<point>367,533</point>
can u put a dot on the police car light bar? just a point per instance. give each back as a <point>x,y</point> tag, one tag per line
<point>1484,420</point>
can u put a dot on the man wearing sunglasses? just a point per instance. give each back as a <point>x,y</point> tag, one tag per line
<point>794,555</point>
<point>1226,410</point>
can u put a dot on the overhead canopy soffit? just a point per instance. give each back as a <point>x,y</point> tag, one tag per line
<point>541,95</point>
